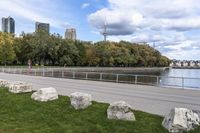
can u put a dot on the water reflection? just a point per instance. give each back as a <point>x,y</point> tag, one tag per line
<point>187,78</point>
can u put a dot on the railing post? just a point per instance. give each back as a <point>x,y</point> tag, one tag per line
<point>43,72</point>
<point>157,80</point>
<point>101,76</point>
<point>35,72</point>
<point>52,73</point>
<point>73,75</point>
<point>86,75</point>
<point>62,74</point>
<point>183,82</point>
<point>135,79</point>
<point>117,78</point>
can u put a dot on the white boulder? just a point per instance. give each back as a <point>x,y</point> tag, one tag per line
<point>120,110</point>
<point>80,100</point>
<point>4,83</point>
<point>20,87</point>
<point>45,94</point>
<point>181,120</point>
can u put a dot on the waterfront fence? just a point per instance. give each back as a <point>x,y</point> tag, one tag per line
<point>163,81</point>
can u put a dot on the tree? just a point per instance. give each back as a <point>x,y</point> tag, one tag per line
<point>91,58</point>
<point>51,49</point>
<point>103,50</point>
<point>163,61</point>
<point>68,53</point>
<point>7,53</point>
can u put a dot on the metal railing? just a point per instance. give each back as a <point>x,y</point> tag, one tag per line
<point>177,82</point>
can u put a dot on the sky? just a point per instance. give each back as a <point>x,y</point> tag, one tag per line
<point>172,25</point>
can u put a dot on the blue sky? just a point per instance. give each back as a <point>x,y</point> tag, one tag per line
<point>61,14</point>
<point>173,25</point>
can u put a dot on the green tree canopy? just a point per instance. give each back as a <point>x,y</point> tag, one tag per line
<point>46,49</point>
<point>7,53</point>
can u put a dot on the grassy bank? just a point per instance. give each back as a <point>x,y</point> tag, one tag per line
<point>20,114</point>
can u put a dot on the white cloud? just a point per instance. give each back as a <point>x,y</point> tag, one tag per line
<point>180,15</point>
<point>179,24</point>
<point>167,23</point>
<point>85,5</point>
<point>183,55</point>
<point>159,8</point>
<point>118,22</point>
<point>33,10</point>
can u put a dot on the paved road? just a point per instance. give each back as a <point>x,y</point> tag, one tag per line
<point>150,99</point>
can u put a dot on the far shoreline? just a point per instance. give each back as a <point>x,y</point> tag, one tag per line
<point>185,67</point>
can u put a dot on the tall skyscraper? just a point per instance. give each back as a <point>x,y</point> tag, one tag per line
<point>42,26</point>
<point>8,25</point>
<point>70,34</point>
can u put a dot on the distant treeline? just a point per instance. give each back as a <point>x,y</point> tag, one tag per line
<point>45,49</point>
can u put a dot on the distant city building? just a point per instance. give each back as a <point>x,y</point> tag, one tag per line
<point>70,34</point>
<point>42,26</point>
<point>8,25</point>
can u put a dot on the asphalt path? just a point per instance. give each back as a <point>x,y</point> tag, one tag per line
<point>151,99</point>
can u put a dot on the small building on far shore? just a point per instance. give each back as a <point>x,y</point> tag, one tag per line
<point>185,64</point>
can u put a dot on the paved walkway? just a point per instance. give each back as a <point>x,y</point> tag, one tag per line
<point>150,99</point>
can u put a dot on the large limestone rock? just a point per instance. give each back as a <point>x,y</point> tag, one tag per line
<point>181,120</point>
<point>4,83</point>
<point>120,110</point>
<point>20,87</point>
<point>45,94</point>
<point>80,100</point>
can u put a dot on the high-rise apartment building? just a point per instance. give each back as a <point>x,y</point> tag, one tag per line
<point>8,25</point>
<point>42,26</point>
<point>70,34</point>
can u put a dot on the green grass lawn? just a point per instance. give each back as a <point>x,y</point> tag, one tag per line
<point>20,114</point>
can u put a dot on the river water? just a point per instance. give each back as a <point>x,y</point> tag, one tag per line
<point>180,78</point>
<point>186,78</point>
